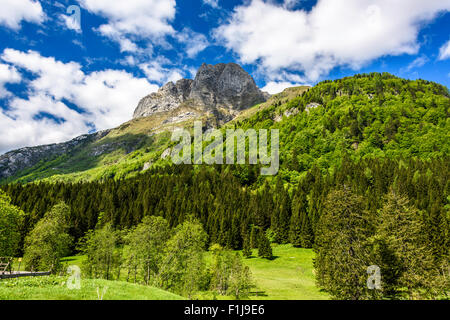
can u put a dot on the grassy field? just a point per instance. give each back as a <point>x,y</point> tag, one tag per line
<point>289,276</point>
<point>55,288</point>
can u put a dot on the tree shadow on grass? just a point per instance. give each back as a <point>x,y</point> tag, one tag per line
<point>256,257</point>
<point>258,294</point>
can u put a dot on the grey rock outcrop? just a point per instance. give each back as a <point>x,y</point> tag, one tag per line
<point>220,90</point>
<point>20,159</point>
<point>225,86</point>
<point>168,97</point>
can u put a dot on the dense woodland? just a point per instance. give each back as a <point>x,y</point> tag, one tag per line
<point>362,177</point>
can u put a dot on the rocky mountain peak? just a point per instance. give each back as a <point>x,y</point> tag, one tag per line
<point>225,86</point>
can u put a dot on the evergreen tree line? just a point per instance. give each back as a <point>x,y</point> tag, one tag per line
<point>352,242</point>
<point>389,213</point>
<point>228,211</point>
<point>150,253</point>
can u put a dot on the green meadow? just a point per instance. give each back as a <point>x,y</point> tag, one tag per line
<point>55,288</point>
<point>289,276</point>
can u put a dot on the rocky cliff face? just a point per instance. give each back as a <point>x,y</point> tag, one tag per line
<point>220,91</point>
<point>18,160</point>
<point>223,87</point>
<point>168,97</point>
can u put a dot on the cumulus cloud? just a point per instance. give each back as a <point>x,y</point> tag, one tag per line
<point>274,87</point>
<point>194,42</point>
<point>70,23</point>
<point>213,3</point>
<point>155,71</point>
<point>8,74</point>
<point>24,124</point>
<point>12,13</point>
<point>334,33</point>
<point>444,52</point>
<point>290,4</point>
<point>133,20</point>
<point>102,99</point>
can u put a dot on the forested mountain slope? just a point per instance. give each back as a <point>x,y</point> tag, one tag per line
<point>370,152</point>
<point>376,115</point>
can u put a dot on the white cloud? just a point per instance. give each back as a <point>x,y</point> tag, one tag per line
<point>133,20</point>
<point>8,74</point>
<point>155,71</point>
<point>290,4</point>
<point>444,52</point>
<point>194,42</point>
<point>334,33</point>
<point>108,98</point>
<point>274,87</point>
<point>213,3</point>
<point>70,23</point>
<point>13,12</point>
<point>416,63</point>
<point>53,77</point>
<point>174,76</point>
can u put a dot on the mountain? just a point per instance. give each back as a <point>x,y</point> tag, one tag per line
<point>222,90</point>
<point>216,95</point>
<point>364,116</point>
<point>21,159</point>
<point>357,151</point>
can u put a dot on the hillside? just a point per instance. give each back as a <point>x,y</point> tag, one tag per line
<point>216,95</point>
<point>365,116</point>
<point>362,150</point>
<point>54,288</point>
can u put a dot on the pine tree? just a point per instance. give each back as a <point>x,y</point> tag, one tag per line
<point>254,240</point>
<point>306,232</point>
<point>341,250</point>
<point>281,215</point>
<point>247,250</point>
<point>438,231</point>
<point>264,248</point>
<point>295,228</point>
<point>402,231</point>
<point>300,233</point>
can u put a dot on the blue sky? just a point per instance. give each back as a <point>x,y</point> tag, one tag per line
<point>60,78</point>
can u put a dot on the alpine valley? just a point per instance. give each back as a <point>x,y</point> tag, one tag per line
<point>363,180</point>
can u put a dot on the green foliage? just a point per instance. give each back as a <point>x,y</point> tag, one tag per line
<point>246,247</point>
<point>55,288</point>
<point>300,233</point>
<point>146,245</point>
<point>49,241</point>
<point>371,133</point>
<point>183,267</point>
<point>11,220</point>
<point>281,216</point>
<point>367,116</point>
<point>350,239</point>
<point>228,273</point>
<point>264,247</point>
<point>405,250</point>
<point>103,258</point>
<point>254,237</point>
<point>341,246</point>
<point>241,281</point>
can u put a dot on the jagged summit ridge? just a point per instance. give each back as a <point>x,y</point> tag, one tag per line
<point>220,86</point>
